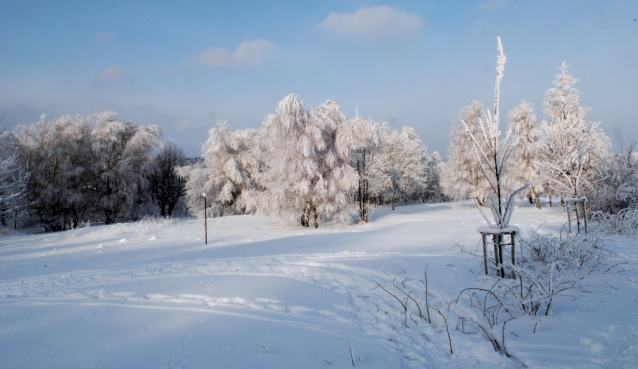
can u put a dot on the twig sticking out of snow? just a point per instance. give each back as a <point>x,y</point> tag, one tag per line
<point>351,352</point>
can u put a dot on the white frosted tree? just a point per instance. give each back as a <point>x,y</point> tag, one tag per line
<point>462,178</point>
<point>307,173</point>
<point>86,168</point>
<point>57,155</point>
<point>226,173</point>
<point>14,179</point>
<point>434,169</point>
<point>401,164</point>
<point>492,153</point>
<point>524,166</point>
<point>361,137</point>
<point>121,158</point>
<point>571,149</point>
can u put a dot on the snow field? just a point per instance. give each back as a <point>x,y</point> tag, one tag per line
<point>261,295</point>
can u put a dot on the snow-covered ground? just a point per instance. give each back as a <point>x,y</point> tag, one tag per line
<point>260,295</point>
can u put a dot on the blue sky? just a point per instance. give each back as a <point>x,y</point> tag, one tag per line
<point>184,65</point>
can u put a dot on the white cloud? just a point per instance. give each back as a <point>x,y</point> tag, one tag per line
<point>114,74</point>
<point>249,52</point>
<point>375,23</point>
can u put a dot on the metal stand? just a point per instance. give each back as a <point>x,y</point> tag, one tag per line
<point>497,239</point>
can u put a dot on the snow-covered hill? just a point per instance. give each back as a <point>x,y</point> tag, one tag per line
<point>152,295</point>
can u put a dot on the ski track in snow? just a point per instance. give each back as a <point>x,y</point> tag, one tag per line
<point>370,310</point>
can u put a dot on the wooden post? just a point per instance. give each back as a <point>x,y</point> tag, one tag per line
<point>513,242</point>
<point>484,237</point>
<point>497,257</point>
<point>585,217</point>
<point>205,221</point>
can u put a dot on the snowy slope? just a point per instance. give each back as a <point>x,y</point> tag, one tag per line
<point>261,295</point>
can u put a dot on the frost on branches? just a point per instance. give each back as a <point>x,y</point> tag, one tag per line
<point>492,154</point>
<point>307,173</point>
<point>362,137</point>
<point>86,169</point>
<point>310,167</point>
<point>524,165</point>
<point>571,149</point>
<point>401,165</point>
<point>226,173</point>
<point>462,178</point>
<point>13,182</point>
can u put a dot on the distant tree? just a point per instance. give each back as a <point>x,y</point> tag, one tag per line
<point>433,172</point>
<point>58,156</point>
<point>400,164</point>
<point>617,187</point>
<point>226,172</point>
<point>13,182</point>
<point>122,154</point>
<point>86,168</point>
<point>462,178</point>
<point>362,138</point>
<point>166,185</point>
<point>524,165</point>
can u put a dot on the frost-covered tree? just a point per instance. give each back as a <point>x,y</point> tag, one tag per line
<point>571,149</point>
<point>400,165</point>
<point>462,178</point>
<point>307,172</point>
<point>226,173</point>
<point>121,158</point>
<point>166,185</point>
<point>13,182</point>
<point>617,189</point>
<point>86,168</point>
<point>58,156</point>
<point>524,165</point>
<point>433,172</point>
<point>492,153</point>
<point>361,137</point>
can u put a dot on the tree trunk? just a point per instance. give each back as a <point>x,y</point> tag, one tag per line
<point>537,199</point>
<point>304,222</point>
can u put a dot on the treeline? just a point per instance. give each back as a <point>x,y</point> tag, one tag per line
<point>310,166</point>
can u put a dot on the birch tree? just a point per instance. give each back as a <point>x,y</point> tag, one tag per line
<point>492,153</point>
